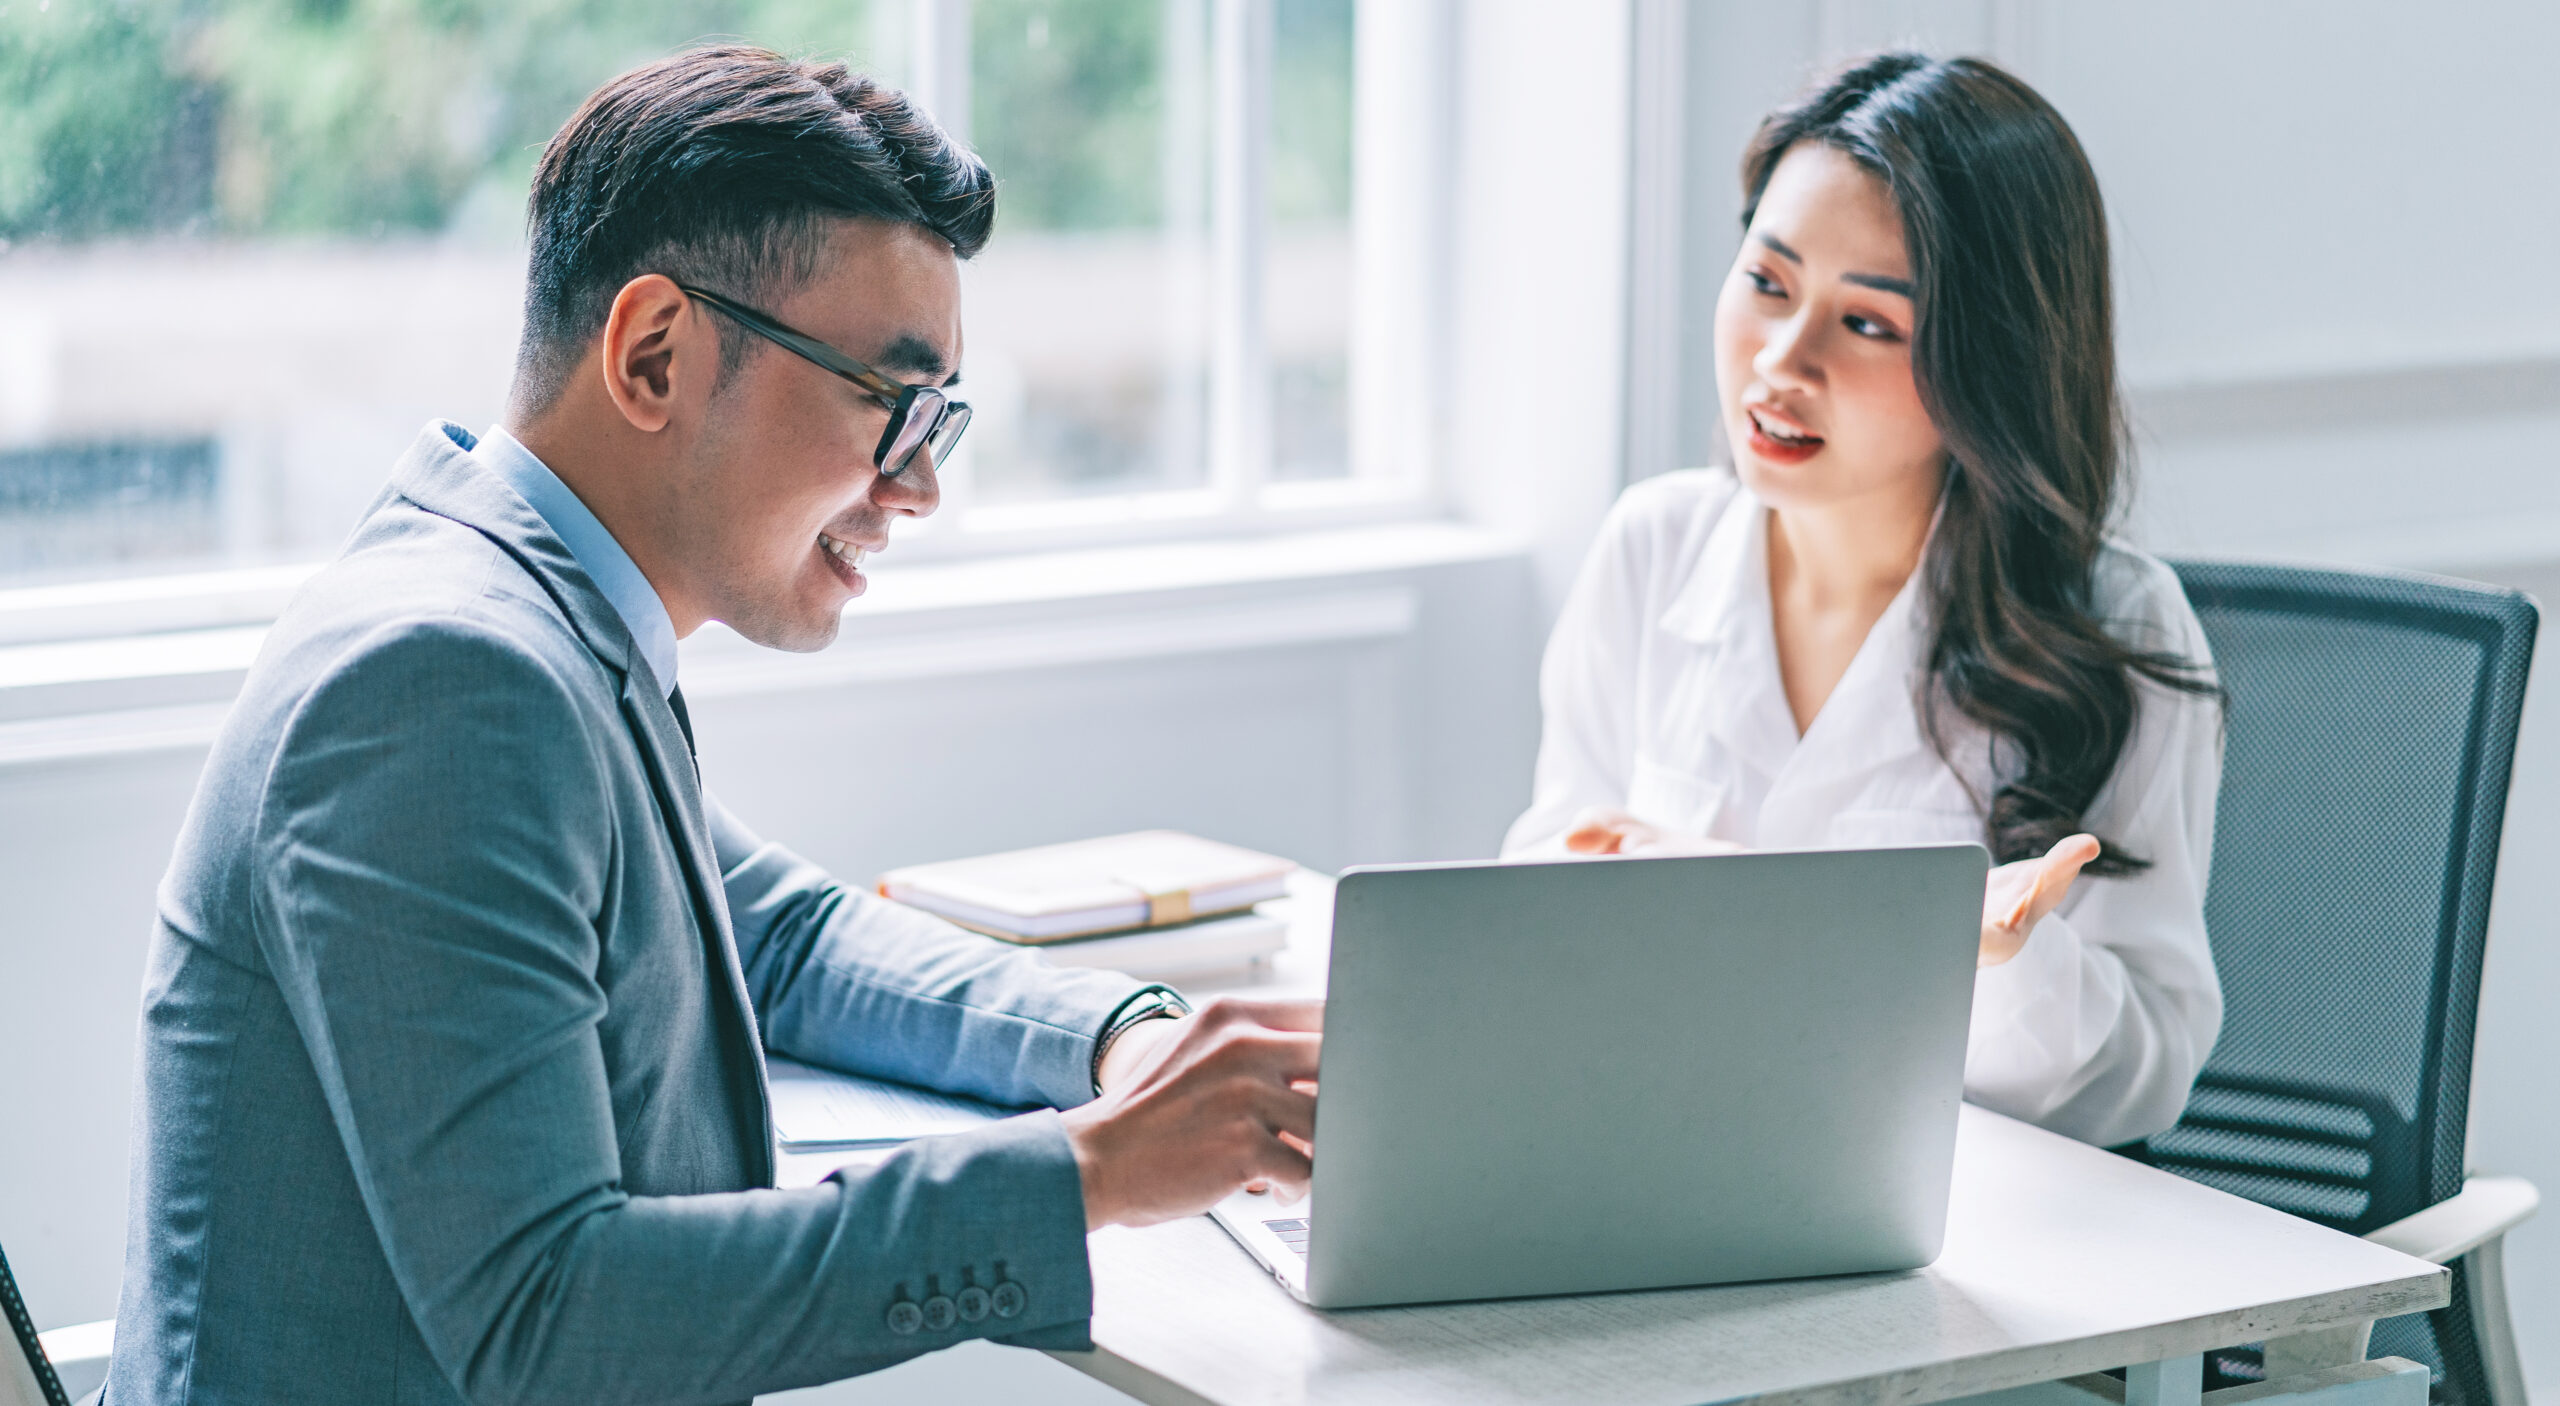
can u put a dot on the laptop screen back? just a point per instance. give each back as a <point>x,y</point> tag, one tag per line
<point>1581,1076</point>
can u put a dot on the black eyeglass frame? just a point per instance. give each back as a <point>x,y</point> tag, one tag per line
<point>906,403</point>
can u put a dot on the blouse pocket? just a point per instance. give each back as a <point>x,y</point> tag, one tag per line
<point>1674,797</point>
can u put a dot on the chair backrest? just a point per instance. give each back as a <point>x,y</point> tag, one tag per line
<point>26,1379</point>
<point>2369,738</point>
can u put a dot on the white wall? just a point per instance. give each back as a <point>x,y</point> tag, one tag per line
<point>2334,228</point>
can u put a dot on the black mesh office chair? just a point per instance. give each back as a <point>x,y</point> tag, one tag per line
<point>2370,733</point>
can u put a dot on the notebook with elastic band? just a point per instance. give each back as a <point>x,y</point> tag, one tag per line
<point>1117,883</point>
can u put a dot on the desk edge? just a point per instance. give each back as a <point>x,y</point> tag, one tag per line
<point>2026,1366</point>
<point>1952,1378</point>
<point>1127,1377</point>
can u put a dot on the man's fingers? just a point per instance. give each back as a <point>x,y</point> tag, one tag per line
<point>1290,1114</point>
<point>1229,1012</point>
<point>1286,1015</point>
<point>1281,1056</point>
<point>1287,1169</point>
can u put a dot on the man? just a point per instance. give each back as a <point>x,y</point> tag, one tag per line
<point>452,1085</point>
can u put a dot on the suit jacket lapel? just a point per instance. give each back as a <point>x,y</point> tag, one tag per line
<point>679,788</point>
<point>440,475</point>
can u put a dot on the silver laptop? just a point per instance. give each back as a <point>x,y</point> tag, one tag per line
<point>1579,1076</point>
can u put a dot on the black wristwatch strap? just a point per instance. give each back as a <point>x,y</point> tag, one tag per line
<point>1152,1002</point>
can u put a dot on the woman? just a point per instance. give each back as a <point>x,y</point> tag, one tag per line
<point>1897,619</point>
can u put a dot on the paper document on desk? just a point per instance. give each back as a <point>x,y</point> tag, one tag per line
<point>821,1110</point>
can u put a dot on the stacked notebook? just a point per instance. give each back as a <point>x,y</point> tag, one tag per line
<point>1153,903</point>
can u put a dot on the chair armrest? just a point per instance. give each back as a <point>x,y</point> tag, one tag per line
<point>2485,1208</point>
<point>79,1355</point>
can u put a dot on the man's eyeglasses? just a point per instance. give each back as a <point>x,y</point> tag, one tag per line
<point>920,417</point>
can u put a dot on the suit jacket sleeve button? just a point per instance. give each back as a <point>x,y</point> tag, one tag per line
<point>1008,1300</point>
<point>972,1303</point>
<point>905,1317</point>
<point>939,1312</point>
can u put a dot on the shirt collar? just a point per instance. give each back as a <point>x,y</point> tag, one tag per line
<point>1724,606</point>
<point>597,554</point>
<point>1726,597</point>
<point>1725,600</point>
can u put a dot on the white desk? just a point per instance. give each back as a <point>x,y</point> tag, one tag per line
<point>2061,1259</point>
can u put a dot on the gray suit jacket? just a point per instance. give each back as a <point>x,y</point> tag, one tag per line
<point>451,1082</point>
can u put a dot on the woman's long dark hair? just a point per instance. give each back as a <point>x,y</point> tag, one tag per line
<point>2014,353</point>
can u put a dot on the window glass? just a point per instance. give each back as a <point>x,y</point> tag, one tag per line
<point>1308,285</point>
<point>1088,313</point>
<point>248,248</point>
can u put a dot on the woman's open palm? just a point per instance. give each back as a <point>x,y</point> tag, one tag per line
<point>2018,895</point>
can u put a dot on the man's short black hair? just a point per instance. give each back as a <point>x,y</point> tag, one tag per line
<point>721,167</point>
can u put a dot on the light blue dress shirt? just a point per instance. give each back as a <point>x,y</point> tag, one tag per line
<point>601,557</point>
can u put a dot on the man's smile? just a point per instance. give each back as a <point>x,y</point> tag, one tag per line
<point>843,551</point>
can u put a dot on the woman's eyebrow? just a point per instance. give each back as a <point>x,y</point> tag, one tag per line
<point>1864,280</point>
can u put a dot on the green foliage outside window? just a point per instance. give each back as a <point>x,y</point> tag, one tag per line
<point>90,97</point>
<point>369,117</point>
<point>1070,101</point>
<point>243,117</point>
<point>1067,105</point>
<point>1311,110</point>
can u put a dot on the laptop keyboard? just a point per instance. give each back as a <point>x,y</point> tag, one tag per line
<point>1292,1233</point>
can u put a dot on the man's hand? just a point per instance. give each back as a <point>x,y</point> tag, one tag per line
<point>2018,895</point>
<point>1608,830</point>
<point>1206,1104</point>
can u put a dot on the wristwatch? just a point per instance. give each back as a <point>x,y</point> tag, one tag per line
<point>1153,1002</point>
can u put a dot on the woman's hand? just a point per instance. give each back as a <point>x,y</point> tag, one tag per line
<point>1608,830</point>
<point>2018,896</point>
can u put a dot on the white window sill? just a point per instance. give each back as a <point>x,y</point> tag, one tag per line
<point>71,697</point>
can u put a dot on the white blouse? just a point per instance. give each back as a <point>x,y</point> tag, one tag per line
<point>1662,697</point>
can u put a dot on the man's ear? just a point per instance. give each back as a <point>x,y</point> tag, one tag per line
<point>656,344</point>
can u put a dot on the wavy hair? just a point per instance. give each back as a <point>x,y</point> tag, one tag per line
<point>2014,355</point>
